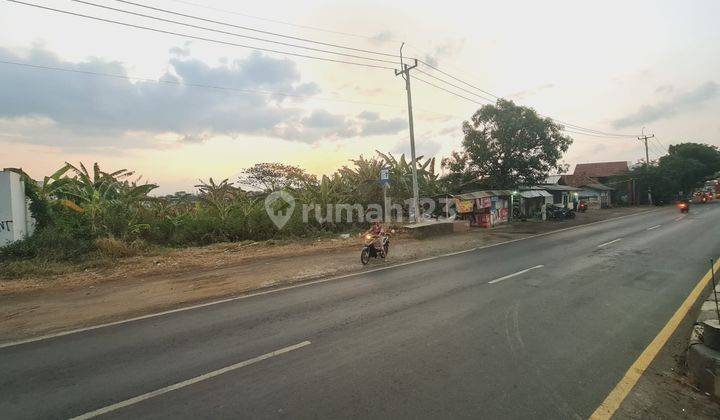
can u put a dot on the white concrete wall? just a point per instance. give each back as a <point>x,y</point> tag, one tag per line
<point>14,213</point>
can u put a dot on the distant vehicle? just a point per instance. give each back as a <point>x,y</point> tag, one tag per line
<point>684,206</point>
<point>582,206</point>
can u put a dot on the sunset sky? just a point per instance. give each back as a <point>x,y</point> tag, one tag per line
<point>609,66</point>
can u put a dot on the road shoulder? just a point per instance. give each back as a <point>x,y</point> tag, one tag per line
<point>664,391</point>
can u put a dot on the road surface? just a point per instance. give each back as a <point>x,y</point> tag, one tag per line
<point>537,328</point>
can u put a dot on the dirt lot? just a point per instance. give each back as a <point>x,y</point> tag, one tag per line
<point>140,285</point>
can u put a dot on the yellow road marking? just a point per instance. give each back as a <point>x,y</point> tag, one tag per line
<point>626,384</point>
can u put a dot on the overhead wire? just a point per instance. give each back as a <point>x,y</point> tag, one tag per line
<point>313,28</point>
<point>191,84</point>
<point>573,127</point>
<point>423,62</point>
<point>200,38</point>
<point>214,87</point>
<point>572,131</point>
<point>577,127</point>
<point>247,28</point>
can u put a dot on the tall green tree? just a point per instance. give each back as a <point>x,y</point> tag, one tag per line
<point>273,176</point>
<point>506,145</point>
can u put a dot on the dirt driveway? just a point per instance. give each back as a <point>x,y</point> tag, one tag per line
<point>142,285</point>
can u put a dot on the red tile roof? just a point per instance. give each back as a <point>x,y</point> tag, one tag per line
<point>601,169</point>
<point>577,180</point>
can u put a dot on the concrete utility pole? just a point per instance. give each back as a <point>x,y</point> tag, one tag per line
<point>405,72</point>
<point>647,158</point>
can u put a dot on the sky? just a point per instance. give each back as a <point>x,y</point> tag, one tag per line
<point>177,109</point>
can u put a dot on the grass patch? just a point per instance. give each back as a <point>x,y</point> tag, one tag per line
<point>38,267</point>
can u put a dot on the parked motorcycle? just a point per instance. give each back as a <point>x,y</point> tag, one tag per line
<point>559,213</point>
<point>369,250</point>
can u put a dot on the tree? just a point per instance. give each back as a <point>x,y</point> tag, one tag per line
<point>270,177</point>
<point>506,145</point>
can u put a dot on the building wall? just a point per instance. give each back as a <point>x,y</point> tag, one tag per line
<point>15,220</point>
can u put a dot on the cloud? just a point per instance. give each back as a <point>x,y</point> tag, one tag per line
<point>183,51</point>
<point>369,116</point>
<point>382,38</point>
<point>321,118</point>
<point>321,124</point>
<point>532,91</point>
<point>379,126</point>
<point>665,89</point>
<point>425,148</point>
<point>80,108</point>
<point>681,103</point>
<point>445,50</point>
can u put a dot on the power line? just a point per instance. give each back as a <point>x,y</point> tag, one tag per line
<point>480,103</point>
<point>314,28</point>
<point>447,90</point>
<point>580,129</point>
<point>229,33</point>
<point>453,85</point>
<point>458,80</point>
<point>661,145</point>
<point>589,130</point>
<point>435,68</point>
<point>327,44</point>
<point>197,37</point>
<point>214,87</point>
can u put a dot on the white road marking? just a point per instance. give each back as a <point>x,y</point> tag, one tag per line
<point>515,274</point>
<point>303,284</point>
<point>654,227</point>
<point>188,382</point>
<point>611,242</point>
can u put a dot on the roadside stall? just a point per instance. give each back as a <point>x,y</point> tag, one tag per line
<point>533,203</point>
<point>484,208</point>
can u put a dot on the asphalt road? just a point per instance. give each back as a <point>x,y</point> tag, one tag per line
<point>438,338</point>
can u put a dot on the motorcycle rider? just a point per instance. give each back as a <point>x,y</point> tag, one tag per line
<point>377,232</point>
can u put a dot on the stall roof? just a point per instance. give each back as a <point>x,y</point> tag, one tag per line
<point>535,193</point>
<point>481,194</point>
<point>555,187</point>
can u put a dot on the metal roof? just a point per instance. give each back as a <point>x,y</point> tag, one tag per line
<point>555,188</point>
<point>535,193</point>
<point>552,179</point>
<point>481,194</point>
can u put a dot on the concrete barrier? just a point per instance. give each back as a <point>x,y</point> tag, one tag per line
<point>703,356</point>
<point>426,230</point>
<point>15,220</point>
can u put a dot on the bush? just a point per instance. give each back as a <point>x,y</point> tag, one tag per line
<point>51,244</point>
<point>110,247</point>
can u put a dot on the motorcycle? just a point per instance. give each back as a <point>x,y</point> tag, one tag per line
<point>369,250</point>
<point>582,206</point>
<point>559,213</point>
<point>684,207</point>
